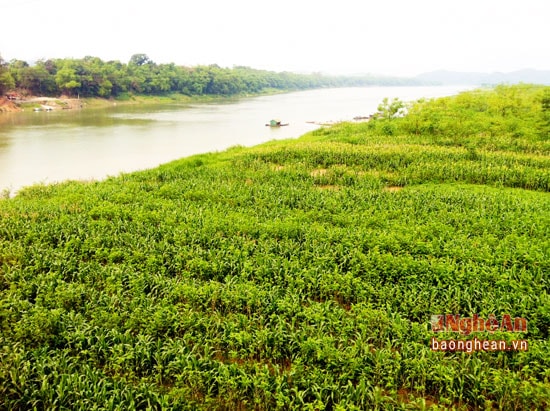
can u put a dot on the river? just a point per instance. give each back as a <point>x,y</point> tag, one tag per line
<point>46,147</point>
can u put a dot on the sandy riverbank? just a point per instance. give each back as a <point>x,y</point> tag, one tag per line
<point>40,103</point>
<point>66,103</point>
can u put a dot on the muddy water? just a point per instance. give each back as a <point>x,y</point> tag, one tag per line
<point>45,147</point>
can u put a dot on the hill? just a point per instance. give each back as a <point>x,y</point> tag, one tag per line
<point>301,274</point>
<point>473,78</point>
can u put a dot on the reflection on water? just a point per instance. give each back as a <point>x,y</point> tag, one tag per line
<point>94,143</point>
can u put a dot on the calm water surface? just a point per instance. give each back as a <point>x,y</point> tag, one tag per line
<point>46,147</point>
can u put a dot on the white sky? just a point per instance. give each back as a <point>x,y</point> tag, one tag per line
<point>393,37</point>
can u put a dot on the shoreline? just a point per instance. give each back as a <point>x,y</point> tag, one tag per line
<point>40,103</point>
<point>149,103</point>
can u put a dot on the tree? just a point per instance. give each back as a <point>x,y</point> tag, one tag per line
<point>199,79</point>
<point>18,70</point>
<point>117,75</point>
<point>140,59</point>
<point>42,83</point>
<point>66,79</point>
<point>391,109</point>
<point>7,81</point>
<point>545,114</point>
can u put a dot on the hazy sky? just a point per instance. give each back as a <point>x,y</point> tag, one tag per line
<point>394,37</point>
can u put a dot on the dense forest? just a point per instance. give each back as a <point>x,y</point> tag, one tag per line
<point>93,77</point>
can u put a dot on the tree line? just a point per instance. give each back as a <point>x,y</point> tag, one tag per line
<point>93,77</point>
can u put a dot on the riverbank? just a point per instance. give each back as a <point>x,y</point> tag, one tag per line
<point>70,103</point>
<point>144,132</point>
<point>7,106</point>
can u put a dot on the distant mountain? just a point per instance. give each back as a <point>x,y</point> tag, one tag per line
<point>472,78</point>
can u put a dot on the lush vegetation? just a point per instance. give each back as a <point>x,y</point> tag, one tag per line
<point>92,77</point>
<point>293,275</point>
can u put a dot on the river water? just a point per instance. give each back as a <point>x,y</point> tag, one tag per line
<point>46,147</point>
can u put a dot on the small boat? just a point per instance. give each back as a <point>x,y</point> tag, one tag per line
<point>43,108</point>
<point>276,123</point>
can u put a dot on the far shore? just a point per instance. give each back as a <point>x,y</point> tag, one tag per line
<point>37,103</point>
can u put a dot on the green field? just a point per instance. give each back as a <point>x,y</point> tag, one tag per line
<point>297,274</point>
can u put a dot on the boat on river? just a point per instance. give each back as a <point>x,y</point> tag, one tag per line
<point>276,123</point>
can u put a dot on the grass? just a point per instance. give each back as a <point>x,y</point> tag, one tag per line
<point>297,274</point>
